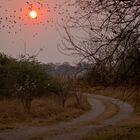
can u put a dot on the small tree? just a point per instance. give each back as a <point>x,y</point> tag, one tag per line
<point>24,78</point>
<point>76,90</point>
<point>62,86</point>
<point>31,79</point>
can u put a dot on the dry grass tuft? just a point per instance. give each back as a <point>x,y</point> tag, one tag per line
<point>129,94</point>
<point>44,111</point>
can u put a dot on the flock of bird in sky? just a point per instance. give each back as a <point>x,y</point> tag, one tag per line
<point>13,21</point>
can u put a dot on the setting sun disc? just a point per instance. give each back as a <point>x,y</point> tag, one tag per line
<point>33,14</point>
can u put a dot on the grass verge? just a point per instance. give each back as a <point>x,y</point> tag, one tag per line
<point>45,111</point>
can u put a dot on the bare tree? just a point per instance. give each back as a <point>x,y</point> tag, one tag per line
<point>104,32</point>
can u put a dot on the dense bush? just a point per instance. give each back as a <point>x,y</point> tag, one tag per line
<point>126,71</point>
<point>99,76</point>
<point>24,78</point>
<point>7,75</point>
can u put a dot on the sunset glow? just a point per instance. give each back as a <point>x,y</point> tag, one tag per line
<point>33,14</point>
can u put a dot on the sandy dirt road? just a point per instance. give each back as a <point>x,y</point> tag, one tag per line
<point>76,128</point>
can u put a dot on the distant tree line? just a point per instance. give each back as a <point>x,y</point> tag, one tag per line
<point>61,69</point>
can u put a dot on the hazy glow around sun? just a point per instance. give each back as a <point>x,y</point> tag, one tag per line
<point>33,14</point>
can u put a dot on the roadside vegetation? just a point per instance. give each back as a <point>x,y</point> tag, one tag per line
<point>112,47</point>
<point>116,133</point>
<point>122,85</point>
<point>29,95</point>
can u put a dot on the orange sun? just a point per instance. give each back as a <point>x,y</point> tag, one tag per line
<point>33,14</point>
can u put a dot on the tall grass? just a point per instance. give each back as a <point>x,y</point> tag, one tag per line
<point>45,110</point>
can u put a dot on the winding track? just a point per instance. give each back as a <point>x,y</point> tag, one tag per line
<point>97,108</point>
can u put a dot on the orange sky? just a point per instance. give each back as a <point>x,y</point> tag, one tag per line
<point>18,30</point>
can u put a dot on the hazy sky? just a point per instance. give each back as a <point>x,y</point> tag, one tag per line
<point>18,30</point>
